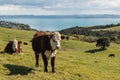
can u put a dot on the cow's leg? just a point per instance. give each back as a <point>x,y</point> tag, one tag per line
<point>45,62</point>
<point>53,64</point>
<point>37,59</point>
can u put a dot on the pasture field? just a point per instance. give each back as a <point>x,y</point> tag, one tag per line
<point>73,62</point>
<point>117,28</point>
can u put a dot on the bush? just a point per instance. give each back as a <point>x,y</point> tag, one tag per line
<point>103,43</point>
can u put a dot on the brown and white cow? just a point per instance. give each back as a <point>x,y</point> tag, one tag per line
<point>47,45</point>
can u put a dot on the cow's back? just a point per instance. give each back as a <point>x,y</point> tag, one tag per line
<point>41,43</point>
<point>8,48</point>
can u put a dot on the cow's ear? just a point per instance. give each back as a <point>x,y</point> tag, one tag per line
<point>50,36</point>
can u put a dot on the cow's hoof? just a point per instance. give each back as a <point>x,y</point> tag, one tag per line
<point>53,72</point>
<point>45,70</point>
<point>36,65</point>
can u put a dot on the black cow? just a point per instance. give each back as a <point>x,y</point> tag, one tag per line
<point>111,55</point>
<point>25,43</point>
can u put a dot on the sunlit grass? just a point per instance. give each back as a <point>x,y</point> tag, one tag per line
<point>117,28</point>
<point>72,61</point>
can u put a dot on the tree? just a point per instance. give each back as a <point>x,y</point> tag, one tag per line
<point>103,43</point>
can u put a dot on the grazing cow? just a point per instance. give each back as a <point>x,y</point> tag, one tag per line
<point>111,55</point>
<point>25,43</point>
<point>46,44</point>
<point>62,37</point>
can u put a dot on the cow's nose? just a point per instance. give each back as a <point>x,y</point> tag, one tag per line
<point>58,47</point>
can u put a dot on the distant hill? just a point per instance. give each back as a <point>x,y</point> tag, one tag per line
<point>13,25</point>
<point>61,16</point>
<point>111,31</point>
<point>116,28</point>
<point>86,30</point>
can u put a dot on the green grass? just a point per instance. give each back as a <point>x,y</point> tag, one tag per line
<point>117,28</point>
<point>72,61</point>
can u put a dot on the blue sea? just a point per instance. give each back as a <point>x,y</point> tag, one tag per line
<point>56,24</point>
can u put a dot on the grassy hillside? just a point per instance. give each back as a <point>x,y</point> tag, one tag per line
<point>73,62</point>
<point>117,28</point>
<point>14,25</point>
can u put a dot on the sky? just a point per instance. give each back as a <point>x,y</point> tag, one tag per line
<point>59,7</point>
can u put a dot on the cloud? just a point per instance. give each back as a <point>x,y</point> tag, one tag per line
<point>24,10</point>
<point>49,7</point>
<point>10,7</point>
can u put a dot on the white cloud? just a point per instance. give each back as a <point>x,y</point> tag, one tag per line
<point>24,10</point>
<point>48,7</point>
<point>10,7</point>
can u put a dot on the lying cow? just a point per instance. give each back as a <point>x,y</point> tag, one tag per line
<point>11,47</point>
<point>8,48</point>
<point>46,44</point>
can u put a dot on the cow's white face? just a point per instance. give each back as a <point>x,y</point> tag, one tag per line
<point>55,41</point>
<point>14,46</point>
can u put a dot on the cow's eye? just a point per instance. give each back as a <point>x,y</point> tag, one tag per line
<point>53,40</point>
